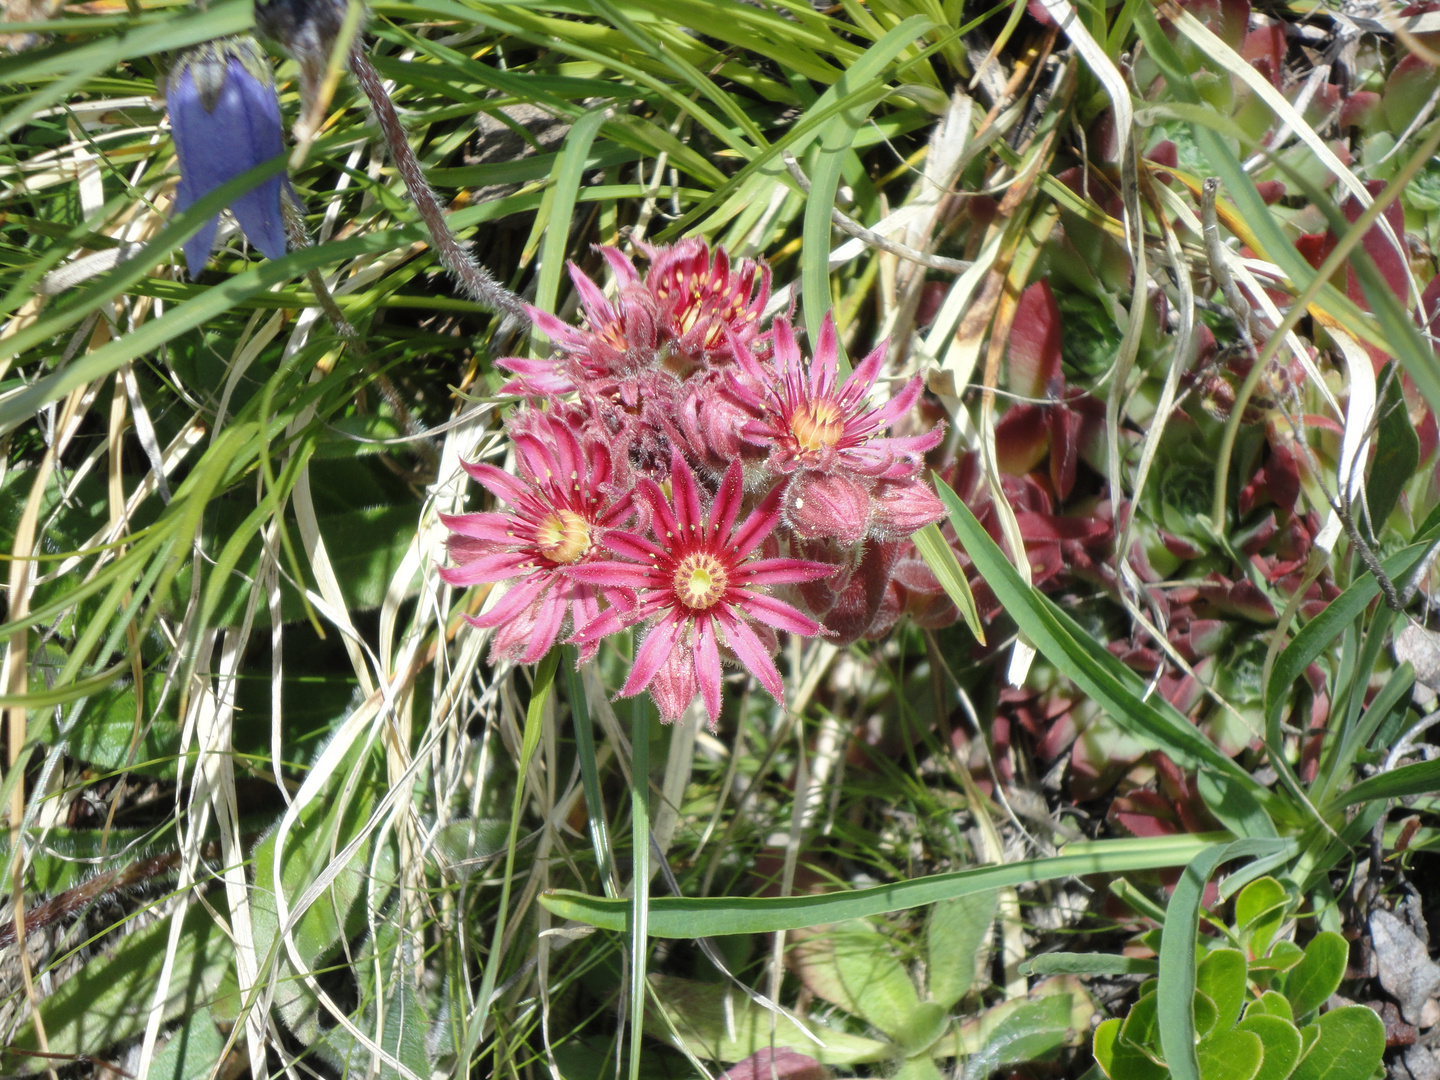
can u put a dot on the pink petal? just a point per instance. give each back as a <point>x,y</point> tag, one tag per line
<point>752,654</point>
<point>610,574</point>
<point>547,626</point>
<point>727,501</point>
<point>785,571</point>
<point>497,567</point>
<point>623,268</point>
<point>653,651</point>
<point>707,667</point>
<point>759,525</point>
<point>632,546</point>
<point>493,528</point>
<point>863,377</point>
<point>826,362</point>
<point>778,614</point>
<point>521,595</point>
<point>899,405</point>
<point>688,512</point>
<point>664,526</point>
<point>498,481</point>
<point>602,626</point>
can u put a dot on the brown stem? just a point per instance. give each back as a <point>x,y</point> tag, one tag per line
<point>474,278</point>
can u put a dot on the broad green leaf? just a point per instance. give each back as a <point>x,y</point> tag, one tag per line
<point>1281,1040</point>
<point>1397,450</point>
<point>193,1050</point>
<point>1271,1003</point>
<point>1311,982</point>
<point>1283,956</point>
<point>1032,1031</point>
<point>1259,911</point>
<point>1221,978</point>
<point>687,917</point>
<point>1349,1046</point>
<point>1205,1013</point>
<point>850,965</point>
<point>953,936</point>
<point>720,1023</point>
<point>1234,805</point>
<point>108,1000</point>
<point>1142,1025</point>
<point>1122,1060</point>
<point>387,972</point>
<point>1230,1055</point>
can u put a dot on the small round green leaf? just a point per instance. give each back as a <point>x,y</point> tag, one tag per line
<point>1230,1055</point>
<point>1281,1040</point>
<point>1318,974</point>
<point>1349,1046</point>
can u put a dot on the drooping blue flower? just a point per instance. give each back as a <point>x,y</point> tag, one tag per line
<point>225,118</point>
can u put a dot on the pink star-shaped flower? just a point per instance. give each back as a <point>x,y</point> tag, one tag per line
<point>696,584</point>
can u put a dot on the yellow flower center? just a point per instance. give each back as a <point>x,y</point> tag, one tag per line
<point>817,425</point>
<point>563,537</point>
<point>700,581</point>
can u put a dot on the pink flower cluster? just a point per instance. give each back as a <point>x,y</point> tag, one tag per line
<point>685,470</point>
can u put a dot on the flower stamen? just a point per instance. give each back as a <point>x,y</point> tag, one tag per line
<point>700,581</point>
<point>563,537</point>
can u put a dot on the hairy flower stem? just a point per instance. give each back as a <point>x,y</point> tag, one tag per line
<point>474,278</point>
<point>299,237</point>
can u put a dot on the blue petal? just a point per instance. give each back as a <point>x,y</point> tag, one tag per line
<point>243,131</point>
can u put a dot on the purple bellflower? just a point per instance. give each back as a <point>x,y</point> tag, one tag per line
<point>226,120</point>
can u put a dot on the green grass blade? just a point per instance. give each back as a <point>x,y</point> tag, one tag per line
<point>1114,687</point>
<point>684,917</point>
<point>940,557</point>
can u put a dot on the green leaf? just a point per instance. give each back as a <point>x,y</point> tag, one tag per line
<point>719,1023</point>
<point>1067,963</point>
<point>1397,450</point>
<point>108,1000</point>
<point>953,936</point>
<point>556,220</point>
<point>1117,689</point>
<point>850,965</point>
<point>1221,978</point>
<point>1259,911</point>
<point>194,1048</point>
<point>1316,635</point>
<point>1234,805</point>
<point>939,556</point>
<point>1175,996</point>
<point>1281,1040</point>
<point>1121,1059</point>
<point>1033,1030</point>
<point>387,971</point>
<point>1230,1055</point>
<point>1421,778</point>
<point>1206,1014</point>
<point>1271,1003</point>
<point>1349,1046</point>
<point>1318,974</point>
<point>690,917</point>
